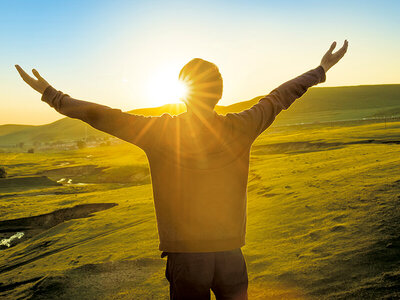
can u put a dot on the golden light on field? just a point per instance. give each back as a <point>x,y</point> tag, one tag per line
<point>164,87</point>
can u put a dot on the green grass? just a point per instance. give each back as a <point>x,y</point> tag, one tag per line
<point>323,219</point>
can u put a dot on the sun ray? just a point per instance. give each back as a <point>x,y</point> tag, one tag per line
<point>164,87</point>
<point>212,130</point>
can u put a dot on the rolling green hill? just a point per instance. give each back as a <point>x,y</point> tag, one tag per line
<point>319,104</point>
<point>11,128</point>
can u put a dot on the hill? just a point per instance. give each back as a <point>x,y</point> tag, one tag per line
<point>322,205</point>
<point>11,128</point>
<point>319,104</point>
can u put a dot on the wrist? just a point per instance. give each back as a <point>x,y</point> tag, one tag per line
<point>43,88</point>
<point>324,67</point>
<point>49,94</point>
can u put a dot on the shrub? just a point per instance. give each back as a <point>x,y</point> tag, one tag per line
<point>3,173</point>
<point>81,144</point>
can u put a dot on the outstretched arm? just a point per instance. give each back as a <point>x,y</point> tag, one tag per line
<point>261,115</point>
<point>131,128</point>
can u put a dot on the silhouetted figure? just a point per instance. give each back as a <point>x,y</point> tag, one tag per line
<point>199,163</point>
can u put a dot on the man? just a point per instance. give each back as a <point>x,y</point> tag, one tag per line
<point>199,163</point>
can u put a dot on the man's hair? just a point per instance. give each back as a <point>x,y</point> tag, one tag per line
<point>204,82</point>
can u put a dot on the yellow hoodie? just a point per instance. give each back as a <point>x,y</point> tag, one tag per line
<point>199,167</point>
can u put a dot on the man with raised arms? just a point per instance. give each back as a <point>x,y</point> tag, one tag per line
<point>199,163</point>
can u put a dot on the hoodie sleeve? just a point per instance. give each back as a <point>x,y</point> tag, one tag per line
<point>135,129</point>
<point>260,116</point>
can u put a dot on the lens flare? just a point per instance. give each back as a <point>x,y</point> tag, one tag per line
<point>165,88</point>
<point>182,89</point>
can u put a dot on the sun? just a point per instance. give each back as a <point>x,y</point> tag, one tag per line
<point>164,87</point>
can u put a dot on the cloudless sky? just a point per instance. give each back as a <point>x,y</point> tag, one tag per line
<point>115,52</point>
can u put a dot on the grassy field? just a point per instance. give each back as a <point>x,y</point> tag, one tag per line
<point>323,219</point>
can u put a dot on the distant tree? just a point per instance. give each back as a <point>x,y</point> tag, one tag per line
<point>3,173</point>
<point>31,150</point>
<point>20,144</point>
<point>81,144</point>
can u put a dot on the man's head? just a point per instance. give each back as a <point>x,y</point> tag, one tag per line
<point>204,83</point>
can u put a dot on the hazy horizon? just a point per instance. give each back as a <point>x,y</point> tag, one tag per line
<point>218,105</point>
<point>150,107</point>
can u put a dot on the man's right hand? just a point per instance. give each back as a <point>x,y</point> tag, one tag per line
<point>330,59</point>
<point>38,85</point>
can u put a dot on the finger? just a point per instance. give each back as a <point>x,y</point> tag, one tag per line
<point>332,47</point>
<point>343,49</point>
<point>37,75</point>
<point>23,74</point>
<point>345,44</point>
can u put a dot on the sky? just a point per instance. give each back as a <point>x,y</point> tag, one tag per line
<point>125,54</point>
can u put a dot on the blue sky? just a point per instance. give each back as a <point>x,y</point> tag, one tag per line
<point>111,52</point>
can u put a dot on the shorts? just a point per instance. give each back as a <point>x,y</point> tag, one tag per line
<point>193,275</point>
